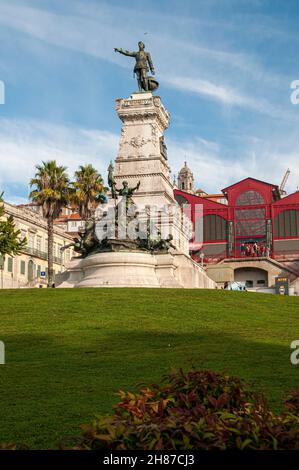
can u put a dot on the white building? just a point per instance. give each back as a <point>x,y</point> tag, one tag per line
<point>26,269</point>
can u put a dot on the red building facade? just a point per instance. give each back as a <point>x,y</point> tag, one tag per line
<point>255,222</point>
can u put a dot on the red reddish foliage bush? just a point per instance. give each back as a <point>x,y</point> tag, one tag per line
<point>195,410</point>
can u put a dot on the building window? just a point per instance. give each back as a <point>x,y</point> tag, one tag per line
<point>215,228</point>
<point>250,222</point>
<point>249,198</point>
<point>23,267</point>
<point>286,224</point>
<point>23,233</point>
<point>10,265</point>
<point>38,243</point>
<point>31,270</point>
<point>183,185</point>
<point>31,240</point>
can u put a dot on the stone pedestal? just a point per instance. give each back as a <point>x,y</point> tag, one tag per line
<point>135,269</point>
<point>142,153</point>
<point>121,269</point>
<point>71,276</point>
<point>142,157</point>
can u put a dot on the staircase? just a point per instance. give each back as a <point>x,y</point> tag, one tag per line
<point>35,282</point>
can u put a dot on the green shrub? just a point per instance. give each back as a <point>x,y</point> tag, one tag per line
<point>292,401</point>
<point>194,410</point>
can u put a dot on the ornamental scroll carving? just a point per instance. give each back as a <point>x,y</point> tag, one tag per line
<point>139,141</point>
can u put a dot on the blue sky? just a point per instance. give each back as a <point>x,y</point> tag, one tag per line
<point>224,67</point>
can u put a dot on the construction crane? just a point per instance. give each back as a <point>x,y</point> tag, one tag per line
<point>284,182</point>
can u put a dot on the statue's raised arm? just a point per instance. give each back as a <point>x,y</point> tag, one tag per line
<point>124,52</point>
<point>136,187</point>
<point>142,66</point>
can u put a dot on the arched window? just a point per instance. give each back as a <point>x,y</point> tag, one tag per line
<point>286,224</point>
<point>249,198</point>
<point>214,227</point>
<point>31,270</point>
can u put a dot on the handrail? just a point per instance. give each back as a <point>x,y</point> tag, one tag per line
<point>41,254</point>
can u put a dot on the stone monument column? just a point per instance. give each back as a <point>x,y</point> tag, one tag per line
<point>142,156</point>
<point>158,254</point>
<point>142,152</point>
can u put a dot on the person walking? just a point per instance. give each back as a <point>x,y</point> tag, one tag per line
<point>242,249</point>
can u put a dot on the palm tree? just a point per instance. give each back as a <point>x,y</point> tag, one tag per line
<point>88,190</point>
<point>51,191</point>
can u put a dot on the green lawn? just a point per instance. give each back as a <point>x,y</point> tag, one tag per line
<point>69,351</point>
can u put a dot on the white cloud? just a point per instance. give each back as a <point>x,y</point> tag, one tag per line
<point>201,67</point>
<point>25,144</point>
<point>73,32</point>
<point>261,160</point>
<point>96,30</point>
<point>220,93</point>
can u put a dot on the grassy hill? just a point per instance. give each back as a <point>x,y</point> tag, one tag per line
<point>69,351</point>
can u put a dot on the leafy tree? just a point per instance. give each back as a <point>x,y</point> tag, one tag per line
<point>10,241</point>
<point>52,192</point>
<point>88,190</point>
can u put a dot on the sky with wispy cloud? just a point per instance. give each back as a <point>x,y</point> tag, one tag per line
<point>225,68</point>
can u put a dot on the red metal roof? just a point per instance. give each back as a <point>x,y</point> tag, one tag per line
<point>249,179</point>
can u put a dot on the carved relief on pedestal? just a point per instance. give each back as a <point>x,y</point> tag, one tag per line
<point>122,137</point>
<point>133,103</point>
<point>154,138</point>
<point>157,101</point>
<point>143,110</point>
<point>141,148</point>
<point>138,141</point>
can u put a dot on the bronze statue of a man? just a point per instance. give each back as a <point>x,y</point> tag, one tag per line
<point>128,192</point>
<point>142,66</point>
<point>111,180</point>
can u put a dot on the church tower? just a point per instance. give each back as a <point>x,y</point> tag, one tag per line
<point>186,179</point>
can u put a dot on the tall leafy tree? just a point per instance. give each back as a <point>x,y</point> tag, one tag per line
<point>11,242</point>
<point>88,190</point>
<point>51,190</point>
